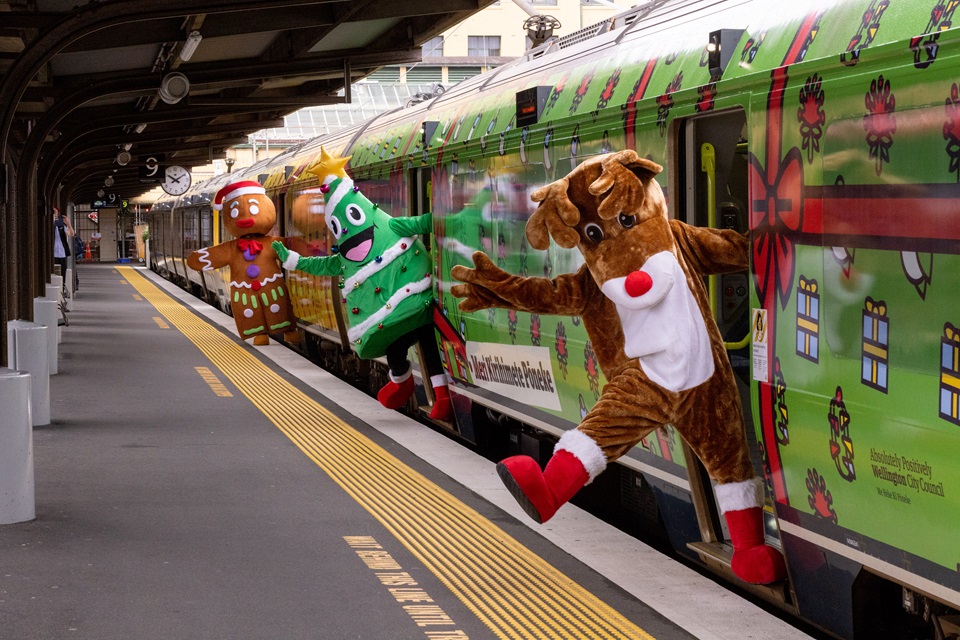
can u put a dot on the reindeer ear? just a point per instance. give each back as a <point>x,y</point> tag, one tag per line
<point>555,217</point>
<point>625,176</point>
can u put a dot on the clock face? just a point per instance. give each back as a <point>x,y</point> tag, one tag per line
<point>176,180</point>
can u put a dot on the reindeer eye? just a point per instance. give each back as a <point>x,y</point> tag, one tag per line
<point>626,221</point>
<point>594,232</point>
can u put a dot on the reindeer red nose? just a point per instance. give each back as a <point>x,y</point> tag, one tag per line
<point>638,283</point>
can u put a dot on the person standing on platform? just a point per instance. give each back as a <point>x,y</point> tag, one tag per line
<point>62,240</point>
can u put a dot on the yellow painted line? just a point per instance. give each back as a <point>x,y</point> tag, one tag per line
<point>160,322</point>
<point>214,382</point>
<point>513,591</point>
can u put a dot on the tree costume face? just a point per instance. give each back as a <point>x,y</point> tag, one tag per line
<point>385,269</point>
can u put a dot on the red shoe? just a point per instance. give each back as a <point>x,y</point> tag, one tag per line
<point>394,395</point>
<point>542,493</point>
<point>753,561</point>
<point>442,408</point>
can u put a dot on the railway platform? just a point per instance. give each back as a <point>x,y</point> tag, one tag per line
<point>192,486</point>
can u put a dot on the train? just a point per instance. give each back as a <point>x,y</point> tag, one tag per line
<point>830,131</point>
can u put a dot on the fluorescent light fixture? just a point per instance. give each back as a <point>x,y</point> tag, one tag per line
<point>190,45</point>
<point>140,127</point>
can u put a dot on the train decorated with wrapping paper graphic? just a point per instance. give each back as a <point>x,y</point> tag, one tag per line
<point>830,130</point>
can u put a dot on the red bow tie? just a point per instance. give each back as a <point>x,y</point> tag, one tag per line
<point>252,246</point>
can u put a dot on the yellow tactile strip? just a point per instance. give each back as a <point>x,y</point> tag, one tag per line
<point>511,589</point>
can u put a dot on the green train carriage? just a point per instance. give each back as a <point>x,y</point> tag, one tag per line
<point>832,132</point>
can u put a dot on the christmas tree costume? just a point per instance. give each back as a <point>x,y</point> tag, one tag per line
<point>386,280</point>
<point>258,294</point>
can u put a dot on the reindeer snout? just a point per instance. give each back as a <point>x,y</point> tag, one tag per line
<point>638,283</point>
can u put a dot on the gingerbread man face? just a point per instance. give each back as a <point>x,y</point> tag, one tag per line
<point>247,210</point>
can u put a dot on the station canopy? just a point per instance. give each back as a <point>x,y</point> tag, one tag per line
<point>91,90</point>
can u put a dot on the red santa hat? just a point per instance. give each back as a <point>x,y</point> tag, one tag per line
<point>235,190</point>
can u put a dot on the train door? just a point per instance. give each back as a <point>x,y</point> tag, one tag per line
<point>420,198</point>
<point>713,192</point>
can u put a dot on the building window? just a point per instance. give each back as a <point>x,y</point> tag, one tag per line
<point>483,46</point>
<point>433,48</point>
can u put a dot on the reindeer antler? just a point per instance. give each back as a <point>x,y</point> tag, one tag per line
<point>625,175</point>
<point>555,217</point>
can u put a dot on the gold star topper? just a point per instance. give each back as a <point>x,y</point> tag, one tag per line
<point>329,165</point>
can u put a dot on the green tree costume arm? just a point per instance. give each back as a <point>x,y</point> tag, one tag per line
<point>416,225</point>
<point>316,266</point>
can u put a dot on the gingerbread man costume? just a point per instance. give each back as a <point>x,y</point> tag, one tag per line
<point>258,293</point>
<point>643,303</point>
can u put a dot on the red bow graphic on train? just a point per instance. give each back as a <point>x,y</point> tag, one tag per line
<point>776,212</point>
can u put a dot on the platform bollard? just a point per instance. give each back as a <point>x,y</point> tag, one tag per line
<point>17,499</point>
<point>47,313</point>
<point>27,353</point>
<point>68,299</point>
<point>55,293</point>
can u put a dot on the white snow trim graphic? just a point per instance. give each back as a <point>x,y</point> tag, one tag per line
<point>585,449</point>
<point>377,317</point>
<point>373,266</point>
<point>204,256</point>
<point>345,187</point>
<point>737,496</point>
<point>246,285</point>
<point>291,262</point>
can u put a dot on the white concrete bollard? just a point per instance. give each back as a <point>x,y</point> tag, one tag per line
<point>27,352</point>
<point>47,313</point>
<point>17,496</point>
<point>69,297</point>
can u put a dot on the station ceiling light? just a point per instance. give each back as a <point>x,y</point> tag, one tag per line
<point>174,87</point>
<point>190,45</point>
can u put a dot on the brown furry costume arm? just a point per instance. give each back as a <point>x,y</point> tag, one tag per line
<point>710,251</point>
<point>487,285</point>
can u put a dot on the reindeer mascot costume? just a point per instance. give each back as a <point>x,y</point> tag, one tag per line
<point>643,303</point>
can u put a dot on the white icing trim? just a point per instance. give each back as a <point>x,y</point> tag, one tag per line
<point>345,187</point>
<point>737,496</point>
<point>585,449</point>
<point>204,256</point>
<point>291,262</point>
<point>373,266</point>
<point>398,296</point>
<point>246,285</point>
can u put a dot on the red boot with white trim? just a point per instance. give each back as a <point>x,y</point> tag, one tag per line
<point>576,461</point>
<point>395,393</point>
<point>753,560</point>
<point>442,408</point>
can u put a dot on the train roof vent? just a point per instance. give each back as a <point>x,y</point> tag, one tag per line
<point>583,34</point>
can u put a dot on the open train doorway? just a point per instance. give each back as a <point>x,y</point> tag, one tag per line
<point>713,191</point>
